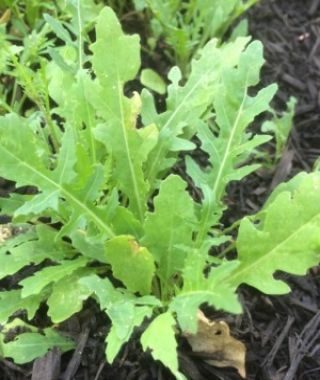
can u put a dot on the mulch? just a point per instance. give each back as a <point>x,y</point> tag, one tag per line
<point>282,334</point>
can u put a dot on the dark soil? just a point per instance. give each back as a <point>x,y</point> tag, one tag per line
<point>282,334</point>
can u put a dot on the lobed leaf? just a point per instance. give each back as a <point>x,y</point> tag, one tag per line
<point>281,127</point>
<point>103,289</point>
<point>28,248</point>
<point>284,236</point>
<point>125,317</point>
<point>168,230</point>
<point>163,345</point>
<point>235,109</point>
<point>11,301</point>
<point>125,311</point>
<point>67,296</point>
<point>199,288</point>
<point>34,284</point>
<point>96,171</point>
<point>186,104</point>
<point>116,60</point>
<point>29,346</point>
<point>27,164</point>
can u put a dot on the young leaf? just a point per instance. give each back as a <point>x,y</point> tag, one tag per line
<point>125,317</point>
<point>58,29</point>
<point>128,260</point>
<point>116,60</point>
<point>125,311</point>
<point>159,337</point>
<point>199,288</point>
<point>186,104</point>
<point>187,26</point>
<point>69,92</point>
<point>285,236</point>
<point>281,127</point>
<point>235,110</point>
<point>170,227</point>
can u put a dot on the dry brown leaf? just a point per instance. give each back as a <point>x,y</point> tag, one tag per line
<point>5,233</point>
<point>214,341</point>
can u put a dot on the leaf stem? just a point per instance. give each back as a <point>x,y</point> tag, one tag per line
<point>227,250</point>
<point>14,94</point>
<point>232,227</point>
<point>80,42</point>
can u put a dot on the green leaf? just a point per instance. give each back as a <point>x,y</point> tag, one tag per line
<point>159,337</point>
<point>199,288</point>
<point>67,296</point>
<point>34,284</point>
<point>169,227</point>
<point>290,186</point>
<point>187,103</point>
<point>150,78</point>
<point>38,204</point>
<point>125,311</point>
<point>11,301</point>
<point>65,170</point>
<point>58,29</point>
<point>63,174</point>
<point>284,236</point>
<point>105,217</point>
<point>9,205</point>
<point>26,249</point>
<point>87,189</point>
<point>281,126</point>
<point>106,294</point>
<point>16,155</point>
<point>128,260</point>
<point>139,4</point>
<point>125,223</point>
<point>186,26</point>
<point>27,164</point>
<point>14,325</point>
<point>91,247</point>
<point>29,346</point>
<point>125,317</point>
<point>69,92</point>
<point>230,146</point>
<point>240,30</point>
<point>116,60</point>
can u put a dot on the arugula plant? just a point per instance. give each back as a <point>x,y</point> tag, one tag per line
<point>105,205</point>
<point>187,26</point>
<point>26,34</point>
<point>26,14</point>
